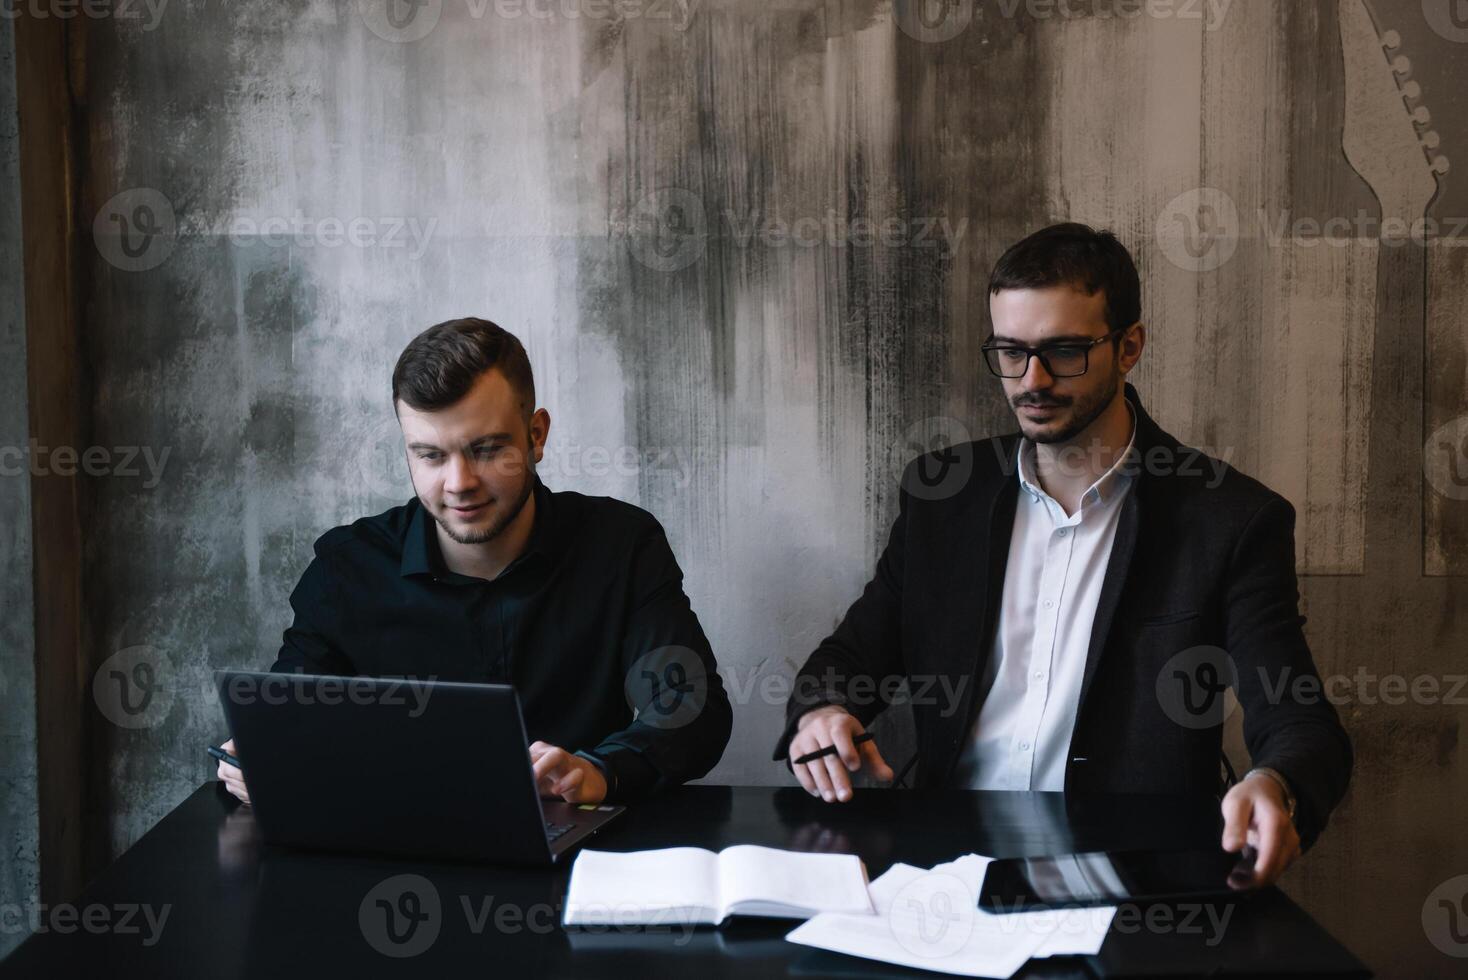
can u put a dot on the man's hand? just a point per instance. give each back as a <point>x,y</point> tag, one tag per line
<point>565,774</point>
<point>828,777</point>
<point>1255,813</point>
<point>233,779</point>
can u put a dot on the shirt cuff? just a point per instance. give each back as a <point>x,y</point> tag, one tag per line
<point>629,776</point>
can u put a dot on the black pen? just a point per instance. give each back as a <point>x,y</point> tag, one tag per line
<point>830,750</point>
<point>223,756</point>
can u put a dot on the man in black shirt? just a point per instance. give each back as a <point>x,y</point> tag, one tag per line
<point>488,576</point>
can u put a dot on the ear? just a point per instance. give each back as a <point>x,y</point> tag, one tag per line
<point>1133,342</point>
<point>539,432</point>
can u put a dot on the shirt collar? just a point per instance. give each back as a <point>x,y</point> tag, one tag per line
<point>422,555</point>
<point>1113,481</point>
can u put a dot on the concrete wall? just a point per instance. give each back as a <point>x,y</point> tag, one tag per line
<point>19,881</point>
<point>747,243</point>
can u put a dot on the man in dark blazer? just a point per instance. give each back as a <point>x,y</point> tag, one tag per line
<point>1072,605</point>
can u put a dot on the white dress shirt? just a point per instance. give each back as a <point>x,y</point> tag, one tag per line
<point>1052,583</point>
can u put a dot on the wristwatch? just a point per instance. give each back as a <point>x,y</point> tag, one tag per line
<point>1284,785</point>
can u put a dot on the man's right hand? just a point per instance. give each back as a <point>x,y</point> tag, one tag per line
<point>829,777</point>
<point>233,779</point>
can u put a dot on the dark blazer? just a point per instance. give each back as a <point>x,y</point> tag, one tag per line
<point>1203,558</point>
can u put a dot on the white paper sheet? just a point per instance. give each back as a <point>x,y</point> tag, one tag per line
<point>929,920</point>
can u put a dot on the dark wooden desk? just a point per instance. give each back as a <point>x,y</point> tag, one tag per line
<point>240,909</point>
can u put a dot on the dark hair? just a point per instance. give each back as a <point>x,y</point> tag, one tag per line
<point>1090,260</point>
<point>441,364</point>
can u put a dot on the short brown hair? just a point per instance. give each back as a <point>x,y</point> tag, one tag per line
<point>1080,256</point>
<point>441,364</point>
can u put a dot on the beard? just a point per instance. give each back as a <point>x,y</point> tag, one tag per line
<point>1084,409</point>
<point>498,522</point>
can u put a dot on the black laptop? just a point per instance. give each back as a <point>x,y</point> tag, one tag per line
<point>395,766</point>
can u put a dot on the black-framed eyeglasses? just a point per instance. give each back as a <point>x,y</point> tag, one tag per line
<point>1068,360</point>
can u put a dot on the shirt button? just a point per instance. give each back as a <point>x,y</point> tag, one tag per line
<point>1049,603</point>
<point>1062,532</point>
<point>1024,746</point>
<point>1039,675</point>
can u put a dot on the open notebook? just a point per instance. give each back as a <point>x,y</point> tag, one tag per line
<point>682,885</point>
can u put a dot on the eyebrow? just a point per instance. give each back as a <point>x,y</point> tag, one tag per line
<point>491,437</point>
<point>1074,338</point>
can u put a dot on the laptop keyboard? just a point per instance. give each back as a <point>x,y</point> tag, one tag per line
<point>554,830</point>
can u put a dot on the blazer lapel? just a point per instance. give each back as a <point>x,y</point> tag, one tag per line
<point>975,631</point>
<point>1122,549</point>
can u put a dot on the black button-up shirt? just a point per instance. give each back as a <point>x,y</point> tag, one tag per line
<point>590,624</point>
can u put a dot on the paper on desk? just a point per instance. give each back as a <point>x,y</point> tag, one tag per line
<point>929,920</point>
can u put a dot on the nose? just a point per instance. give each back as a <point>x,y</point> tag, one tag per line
<point>1036,378</point>
<point>459,476</point>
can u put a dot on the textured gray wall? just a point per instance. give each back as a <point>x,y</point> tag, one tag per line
<point>19,880</point>
<point>747,243</point>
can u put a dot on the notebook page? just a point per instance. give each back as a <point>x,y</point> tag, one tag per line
<point>671,885</point>
<point>769,881</point>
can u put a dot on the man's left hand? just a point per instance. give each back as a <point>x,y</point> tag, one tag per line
<point>565,774</point>
<point>1255,813</point>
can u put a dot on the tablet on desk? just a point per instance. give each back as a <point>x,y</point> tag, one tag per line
<point>1114,878</point>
